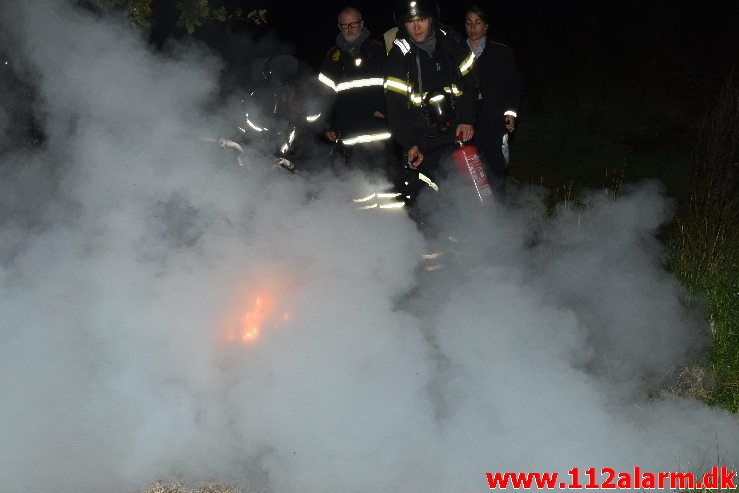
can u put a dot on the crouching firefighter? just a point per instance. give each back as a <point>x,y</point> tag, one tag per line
<point>430,94</point>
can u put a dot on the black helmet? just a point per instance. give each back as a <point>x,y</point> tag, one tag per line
<point>408,10</point>
<point>279,68</point>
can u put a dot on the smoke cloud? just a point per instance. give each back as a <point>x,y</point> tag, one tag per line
<point>132,253</point>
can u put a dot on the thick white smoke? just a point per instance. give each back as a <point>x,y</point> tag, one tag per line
<point>130,250</point>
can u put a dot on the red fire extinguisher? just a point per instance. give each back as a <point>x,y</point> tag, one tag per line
<point>467,160</point>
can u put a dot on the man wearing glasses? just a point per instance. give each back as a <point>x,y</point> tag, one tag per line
<point>352,74</point>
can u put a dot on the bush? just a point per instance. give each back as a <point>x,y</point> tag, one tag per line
<point>705,244</point>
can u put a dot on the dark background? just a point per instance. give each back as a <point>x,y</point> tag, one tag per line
<point>611,88</point>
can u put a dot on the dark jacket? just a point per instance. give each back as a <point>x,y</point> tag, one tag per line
<point>355,84</point>
<point>451,69</point>
<point>500,86</point>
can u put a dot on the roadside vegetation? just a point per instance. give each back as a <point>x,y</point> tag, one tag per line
<point>191,14</point>
<point>178,487</point>
<point>704,242</point>
<point>568,148</point>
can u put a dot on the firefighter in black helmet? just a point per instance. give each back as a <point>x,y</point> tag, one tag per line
<point>430,91</point>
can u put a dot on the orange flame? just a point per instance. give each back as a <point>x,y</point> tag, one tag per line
<point>261,314</point>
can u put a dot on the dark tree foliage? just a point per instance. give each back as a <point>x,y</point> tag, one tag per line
<point>193,14</point>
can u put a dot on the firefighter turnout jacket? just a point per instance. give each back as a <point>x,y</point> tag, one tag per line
<point>355,83</point>
<point>411,74</point>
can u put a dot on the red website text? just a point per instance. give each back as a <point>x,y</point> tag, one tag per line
<point>608,478</point>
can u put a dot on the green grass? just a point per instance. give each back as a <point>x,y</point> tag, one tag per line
<point>717,285</point>
<point>704,246</point>
<point>568,150</point>
<point>561,153</point>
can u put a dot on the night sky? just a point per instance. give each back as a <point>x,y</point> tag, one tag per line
<point>540,32</point>
<point>544,35</point>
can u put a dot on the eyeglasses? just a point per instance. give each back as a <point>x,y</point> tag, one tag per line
<point>351,25</point>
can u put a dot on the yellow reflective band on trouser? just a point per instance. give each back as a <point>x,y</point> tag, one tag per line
<point>388,206</point>
<point>365,199</point>
<point>432,256</point>
<point>381,201</point>
<point>364,139</point>
<point>254,125</point>
<point>466,65</point>
<point>381,195</point>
